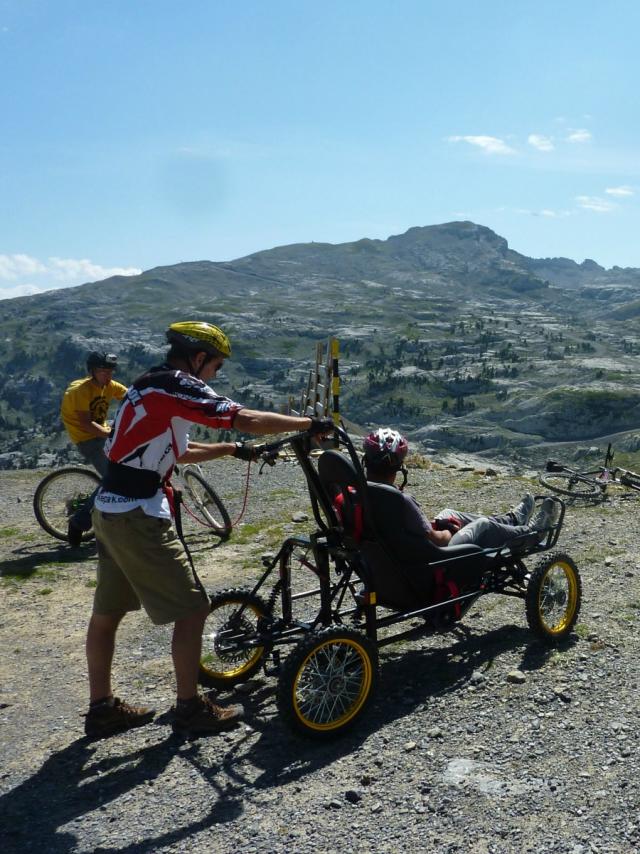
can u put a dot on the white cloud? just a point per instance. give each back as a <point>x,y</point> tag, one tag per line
<point>13,267</point>
<point>27,275</point>
<point>542,143</point>
<point>595,203</point>
<point>548,213</point>
<point>489,144</point>
<point>579,135</point>
<point>64,269</point>
<point>620,191</point>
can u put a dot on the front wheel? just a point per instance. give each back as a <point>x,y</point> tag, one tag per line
<point>573,485</point>
<point>327,681</point>
<point>59,495</point>
<point>204,506</point>
<point>231,651</point>
<point>553,597</point>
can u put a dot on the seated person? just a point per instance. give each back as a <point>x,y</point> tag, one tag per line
<point>384,454</point>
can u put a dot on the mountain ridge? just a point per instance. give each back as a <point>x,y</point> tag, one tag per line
<point>446,332</point>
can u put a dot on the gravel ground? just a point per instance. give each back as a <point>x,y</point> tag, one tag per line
<point>451,756</point>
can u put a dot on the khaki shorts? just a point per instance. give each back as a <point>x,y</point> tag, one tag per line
<point>142,561</point>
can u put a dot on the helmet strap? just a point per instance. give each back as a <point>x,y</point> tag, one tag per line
<point>404,478</point>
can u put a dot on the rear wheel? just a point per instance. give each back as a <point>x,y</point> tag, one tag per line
<point>574,485</point>
<point>230,653</point>
<point>553,597</point>
<point>327,681</point>
<point>59,495</point>
<point>202,505</point>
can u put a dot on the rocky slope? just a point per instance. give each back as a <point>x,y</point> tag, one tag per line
<point>446,333</point>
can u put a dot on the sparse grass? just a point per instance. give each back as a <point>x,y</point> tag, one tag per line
<point>14,572</point>
<point>418,461</point>
<point>45,591</point>
<point>582,630</point>
<point>271,534</point>
<point>5,533</point>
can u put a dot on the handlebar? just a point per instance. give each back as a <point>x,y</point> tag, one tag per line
<point>269,451</point>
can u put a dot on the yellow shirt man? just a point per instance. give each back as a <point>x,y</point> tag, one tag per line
<point>86,402</point>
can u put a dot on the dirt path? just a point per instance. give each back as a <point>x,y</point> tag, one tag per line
<point>452,756</point>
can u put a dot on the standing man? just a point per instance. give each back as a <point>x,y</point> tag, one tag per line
<point>84,410</point>
<point>141,560</point>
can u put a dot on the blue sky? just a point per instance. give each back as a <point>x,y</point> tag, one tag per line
<point>136,133</point>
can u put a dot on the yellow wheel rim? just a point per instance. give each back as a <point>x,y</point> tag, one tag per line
<point>558,598</point>
<point>223,657</point>
<point>332,684</point>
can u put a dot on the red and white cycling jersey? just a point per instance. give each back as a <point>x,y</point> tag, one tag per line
<point>151,429</point>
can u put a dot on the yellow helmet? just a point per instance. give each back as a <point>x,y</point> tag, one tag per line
<point>197,336</point>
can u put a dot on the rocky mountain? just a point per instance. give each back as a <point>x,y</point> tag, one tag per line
<point>445,332</point>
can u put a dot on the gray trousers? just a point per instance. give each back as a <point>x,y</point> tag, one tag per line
<point>92,452</point>
<point>488,532</point>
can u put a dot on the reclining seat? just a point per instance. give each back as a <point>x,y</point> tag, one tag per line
<point>401,562</point>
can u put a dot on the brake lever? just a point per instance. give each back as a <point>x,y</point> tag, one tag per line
<point>269,459</point>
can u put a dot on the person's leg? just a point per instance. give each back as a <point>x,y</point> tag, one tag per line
<point>488,533</point>
<point>158,570</point>
<point>92,452</point>
<point>463,518</point>
<point>186,648</point>
<point>113,597</point>
<point>518,515</point>
<point>100,646</point>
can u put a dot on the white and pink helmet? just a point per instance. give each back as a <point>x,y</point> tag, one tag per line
<point>385,447</point>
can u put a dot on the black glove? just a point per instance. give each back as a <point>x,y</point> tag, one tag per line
<point>245,451</point>
<point>320,425</point>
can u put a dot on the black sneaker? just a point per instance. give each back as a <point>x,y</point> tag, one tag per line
<point>202,717</point>
<point>74,534</point>
<point>112,716</point>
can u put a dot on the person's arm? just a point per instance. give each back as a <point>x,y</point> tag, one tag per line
<point>416,522</point>
<point>200,452</point>
<point>439,538</point>
<point>100,431</point>
<point>262,423</point>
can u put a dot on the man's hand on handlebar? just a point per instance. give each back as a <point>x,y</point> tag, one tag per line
<point>247,452</point>
<point>320,427</point>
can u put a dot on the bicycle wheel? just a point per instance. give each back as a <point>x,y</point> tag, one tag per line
<point>553,597</point>
<point>227,656</point>
<point>204,506</point>
<point>628,479</point>
<point>327,681</point>
<point>59,495</point>
<point>574,485</point>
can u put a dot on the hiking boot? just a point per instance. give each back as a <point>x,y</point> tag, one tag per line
<point>202,717</point>
<point>113,715</point>
<point>545,518</point>
<point>74,534</point>
<point>522,512</point>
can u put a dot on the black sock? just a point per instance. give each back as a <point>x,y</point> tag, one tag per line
<point>183,705</point>
<point>104,701</point>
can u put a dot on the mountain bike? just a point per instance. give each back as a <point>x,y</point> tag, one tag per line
<point>202,507</point>
<point>59,495</point>
<point>590,484</point>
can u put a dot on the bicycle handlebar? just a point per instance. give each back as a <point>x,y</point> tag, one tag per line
<point>269,451</point>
